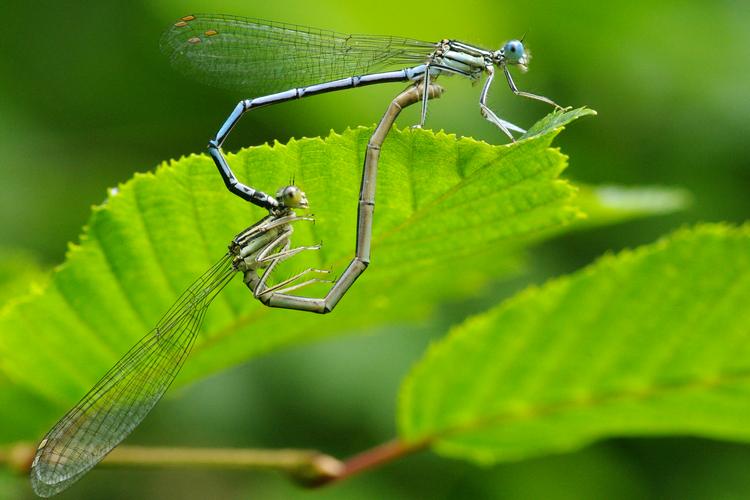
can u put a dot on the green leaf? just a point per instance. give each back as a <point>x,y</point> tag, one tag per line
<point>654,341</point>
<point>555,120</point>
<point>451,214</point>
<point>613,203</point>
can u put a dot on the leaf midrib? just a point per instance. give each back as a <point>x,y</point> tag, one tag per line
<point>534,412</point>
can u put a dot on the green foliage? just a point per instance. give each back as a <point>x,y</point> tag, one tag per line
<point>648,342</point>
<point>440,200</point>
<point>613,203</point>
<point>85,106</point>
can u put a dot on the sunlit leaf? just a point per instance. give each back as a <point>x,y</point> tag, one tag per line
<point>451,214</point>
<point>654,341</point>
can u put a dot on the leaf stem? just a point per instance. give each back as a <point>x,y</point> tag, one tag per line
<point>377,456</point>
<point>302,465</point>
<point>309,468</point>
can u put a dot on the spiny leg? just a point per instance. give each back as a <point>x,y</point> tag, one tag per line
<point>279,287</point>
<point>528,95</point>
<point>285,291</point>
<point>284,254</point>
<point>490,115</point>
<point>265,226</point>
<point>283,243</point>
<point>280,222</point>
<point>425,97</point>
<point>261,291</point>
<point>261,288</point>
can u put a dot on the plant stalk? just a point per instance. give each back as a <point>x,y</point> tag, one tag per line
<point>309,468</point>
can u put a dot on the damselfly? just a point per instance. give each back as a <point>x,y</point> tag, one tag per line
<point>129,390</point>
<point>261,56</point>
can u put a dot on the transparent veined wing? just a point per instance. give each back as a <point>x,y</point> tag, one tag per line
<point>258,56</point>
<point>128,392</point>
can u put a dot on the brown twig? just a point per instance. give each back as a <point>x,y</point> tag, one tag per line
<point>377,456</point>
<point>307,467</point>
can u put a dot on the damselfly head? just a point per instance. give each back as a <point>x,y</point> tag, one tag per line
<point>291,197</point>
<point>513,52</point>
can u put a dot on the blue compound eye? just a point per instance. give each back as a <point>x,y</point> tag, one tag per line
<point>514,52</point>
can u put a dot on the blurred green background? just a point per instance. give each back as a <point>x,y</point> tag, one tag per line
<point>86,99</point>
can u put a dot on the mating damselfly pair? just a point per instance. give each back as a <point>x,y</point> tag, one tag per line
<point>260,56</point>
